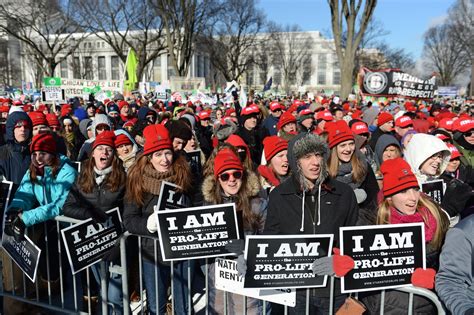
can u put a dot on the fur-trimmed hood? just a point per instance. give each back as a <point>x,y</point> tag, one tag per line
<point>252,187</point>
<point>301,145</point>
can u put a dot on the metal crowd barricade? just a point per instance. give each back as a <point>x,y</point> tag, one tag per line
<point>70,285</point>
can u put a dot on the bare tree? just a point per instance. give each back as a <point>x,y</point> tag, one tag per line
<point>444,53</point>
<point>290,50</point>
<point>230,39</point>
<point>45,28</point>
<point>461,24</point>
<point>396,58</point>
<point>123,25</point>
<point>184,22</point>
<point>347,17</point>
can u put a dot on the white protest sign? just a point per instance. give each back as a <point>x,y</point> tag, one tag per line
<point>53,93</point>
<point>227,279</point>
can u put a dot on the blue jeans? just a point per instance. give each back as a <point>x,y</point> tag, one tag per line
<point>114,289</point>
<point>162,281</point>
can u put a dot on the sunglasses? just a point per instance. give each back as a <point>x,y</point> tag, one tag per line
<point>469,133</point>
<point>226,176</point>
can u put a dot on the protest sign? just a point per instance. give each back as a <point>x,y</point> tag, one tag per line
<point>434,189</point>
<point>195,156</point>
<point>284,261</point>
<point>5,192</point>
<point>385,256</point>
<point>24,253</point>
<point>171,197</point>
<point>392,82</point>
<point>227,279</point>
<point>76,87</point>
<point>187,85</point>
<point>197,232</point>
<point>87,242</point>
<point>451,91</point>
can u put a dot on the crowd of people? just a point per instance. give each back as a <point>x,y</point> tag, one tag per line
<point>291,166</point>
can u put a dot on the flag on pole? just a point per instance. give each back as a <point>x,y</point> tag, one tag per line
<point>131,71</point>
<point>243,98</point>
<point>268,85</point>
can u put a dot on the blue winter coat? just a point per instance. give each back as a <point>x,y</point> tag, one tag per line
<point>271,124</point>
<point>14,156</point>
<point>49,193</point>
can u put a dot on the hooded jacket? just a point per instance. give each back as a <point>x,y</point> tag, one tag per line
<point>44,200</point>
<point>15,157</point>
<point>383,142</point>
<point>86,149</point>
<point>294,209</point>
<point>419,149</point>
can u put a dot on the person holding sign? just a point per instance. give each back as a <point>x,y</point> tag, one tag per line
<point>311,202</point>
<point>158,163</point>
<point>349,166</point>
<point>100,187</point>
<point>428,157</point>
<point>404,203</point>
<point>231,183</point>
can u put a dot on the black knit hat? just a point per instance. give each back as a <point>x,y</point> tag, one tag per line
<point>179,129</point>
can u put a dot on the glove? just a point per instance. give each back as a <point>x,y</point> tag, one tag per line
<point>151,224</point>
<point>337,264</point>
<point>360,194</point>
<point>14,226</point>
<point>241,266</point>
<point>98,216</point>
<point>456,196</point>
<point>235,246</point>
<point>423,278</point>
<point>113,254</point>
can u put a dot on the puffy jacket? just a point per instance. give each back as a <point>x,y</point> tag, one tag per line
<point>14,157</point>
<point>49,193</point>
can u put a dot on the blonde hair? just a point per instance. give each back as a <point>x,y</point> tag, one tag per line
<point>442,223</point>
<point>359,169</point>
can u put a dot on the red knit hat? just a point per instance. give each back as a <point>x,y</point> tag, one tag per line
<point>403,122</point>
<point>43,142</point>
<point>38,118</point>
<point>446,123</point>
<point>204,115</point>
<point>121,104</point>
<point>273,145</point>
<point>397,176</point>
<point>324,115</point>
<point>122,139</point>
<point>285,119</point>
<point>52,120</point>
<point>384,117</point>
<point>463,124</point>
<point>237,141</point>
<point>156,138</point>
<point>226,159</point>
<point>359,127</point>
<point>249,110</point>
<point>338,132</point>
<point>357,114</point>
<point>105,138</point>
<point>454,151</point>
<point>276,106</point>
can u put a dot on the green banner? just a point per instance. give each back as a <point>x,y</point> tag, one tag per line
<point>52,81</point>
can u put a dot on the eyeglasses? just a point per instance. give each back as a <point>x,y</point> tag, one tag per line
<point>226,176</point>
<point>437,156</point>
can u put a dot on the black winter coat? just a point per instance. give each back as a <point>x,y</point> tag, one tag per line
<point>81,206</point>
<point>338,208</point>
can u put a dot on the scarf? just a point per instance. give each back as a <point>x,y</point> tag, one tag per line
<point>101,174</point>
<point>344,175</point>
<point>152,179</point>
<point>129,159</point>
<point>430,224</point>
<point>70,138</point>
<point>267,173</point>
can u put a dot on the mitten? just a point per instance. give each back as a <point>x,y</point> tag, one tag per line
<point>235,246</point>
<point>337,264</point>
<point>113,254</point>
<point>455,198</point>
<point>98,216</point>
<point>10,216</point>
<point>241,265</point>
<point>423,278</point>
<point>360,194</point>
<point>151,224</point>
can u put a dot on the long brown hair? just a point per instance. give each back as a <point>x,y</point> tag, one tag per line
<point>112,182</point>
<point>55,166</point>
<point>359,168</point>
<point>180,175</point>
<point>442,222</point>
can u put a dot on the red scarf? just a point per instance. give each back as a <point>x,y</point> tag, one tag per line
<point>430,226</point>
<point>268,174</point>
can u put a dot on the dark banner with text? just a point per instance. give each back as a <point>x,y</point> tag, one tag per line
<point>284,261</point>
<point>171,197</point>
<point>87,242</point>
<point>395,83</point>
<point>197,232</point>
<point>385,256</point>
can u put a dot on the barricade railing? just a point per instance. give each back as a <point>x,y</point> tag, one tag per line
<point>71,291</point>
